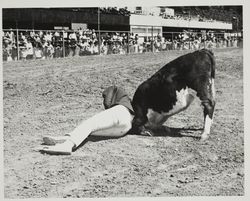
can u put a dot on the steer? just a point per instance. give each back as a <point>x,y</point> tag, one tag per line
<point>169,91</point>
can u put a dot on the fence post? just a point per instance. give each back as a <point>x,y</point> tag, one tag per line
<point>99,32</point>
<point>99,43</point>
<point>204,41</point>
<point>152,39</point>
<point>172,42</point>
<point>128,44</point>
<point>216,36</point>
<point>189,38</point>
<point>17,42</point>
<point>63,45</point>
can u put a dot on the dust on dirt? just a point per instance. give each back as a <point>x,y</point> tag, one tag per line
<point>45,97</point>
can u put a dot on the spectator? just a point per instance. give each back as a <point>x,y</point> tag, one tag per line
<point>84,46</point>
<point>14,52</point>
<point>196,43</point>
<point>65,35</point>
<point>104,48</point>
<point>58,45</point>
<point>72,36</point>
<point>32,34</point>
<point>38,51</point>
<point>23,52</point>
<point>164,44</point>
<point>9,51</point>
<point>175,43</point>
<point>50,50</point>
<point>95,48</point>
<point>57,35</point>
<point>48,37</point>
<point>29,50</point>
<point>12,36</point>
<point>72,44</point>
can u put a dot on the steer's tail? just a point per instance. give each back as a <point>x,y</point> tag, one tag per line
<point>211,56</point>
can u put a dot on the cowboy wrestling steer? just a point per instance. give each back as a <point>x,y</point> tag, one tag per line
<point>169,91</point>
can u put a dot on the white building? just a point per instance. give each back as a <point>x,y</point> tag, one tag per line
<point>147,21</point>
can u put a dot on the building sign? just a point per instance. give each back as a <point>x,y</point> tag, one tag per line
<point>76,26</point>
<point>61,28</point>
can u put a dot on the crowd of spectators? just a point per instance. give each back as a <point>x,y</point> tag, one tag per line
<point>103,10</point>
<point>205,13</point>
<point>208,14</point>
<point>218,13</point>
<point>115,11</point>
<point>187,16</point>
<point>54,44</point>
<point>182,15</point>
<point>48,44</point>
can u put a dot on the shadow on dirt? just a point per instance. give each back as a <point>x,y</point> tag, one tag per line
<point>162,131</point>
<point>158,132</point>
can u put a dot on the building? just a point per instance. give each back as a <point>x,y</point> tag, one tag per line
<point>59,18</point>
<point>152,21</point>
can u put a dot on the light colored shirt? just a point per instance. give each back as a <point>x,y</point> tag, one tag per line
<point>29,48</point>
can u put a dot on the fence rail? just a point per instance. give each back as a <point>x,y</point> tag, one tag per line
<point>22,44</point>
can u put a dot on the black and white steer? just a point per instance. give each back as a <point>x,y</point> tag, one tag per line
<point>168,92</point>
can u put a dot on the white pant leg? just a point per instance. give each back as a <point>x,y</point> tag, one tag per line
<point>114,122</point>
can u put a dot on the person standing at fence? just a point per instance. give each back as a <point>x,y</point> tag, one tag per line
<point>9,51</point>
<point>12,36</point>
<point>104,47</point>
<point>94,35</point>
<point>22,46</point>
<point>48,36</point>
<point>235,42</point>
<point>95,47</point>
<point>57,45</point>
<point>38,51</point>
<point>114,121</point>
<point>169,44</point>
<point>72,44</point>
<point>29,49</point>
<point>14,51</point>
<point>50,50</point>
<point>175,43</point>
<point>196,43</point>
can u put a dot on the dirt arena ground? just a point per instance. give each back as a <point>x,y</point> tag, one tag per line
<point>53,96</point>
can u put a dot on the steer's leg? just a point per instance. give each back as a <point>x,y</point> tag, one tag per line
<point>206,92</point>
<point>140,120</point>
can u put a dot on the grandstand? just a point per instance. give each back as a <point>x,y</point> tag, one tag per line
<point>121,19</point>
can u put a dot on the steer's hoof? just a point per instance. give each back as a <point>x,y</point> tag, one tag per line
<point>146,133</point>
<point>204,137</point>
